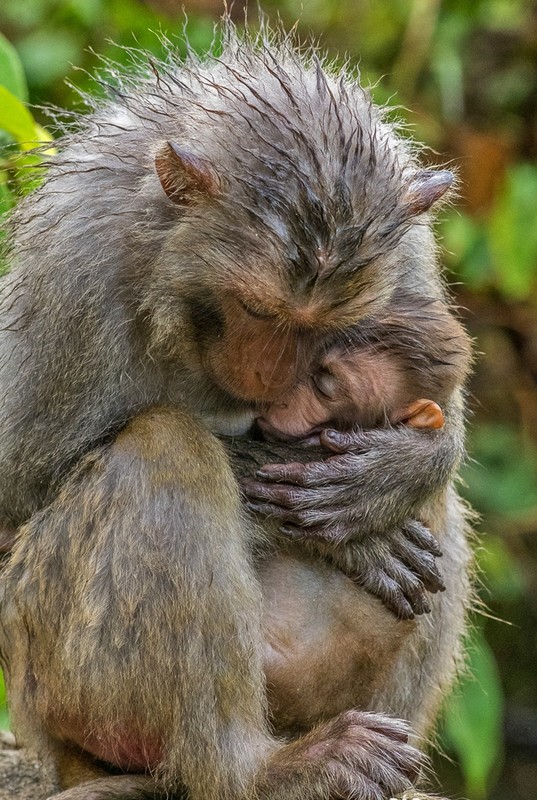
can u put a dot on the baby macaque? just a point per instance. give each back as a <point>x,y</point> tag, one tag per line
<point>355,388</point>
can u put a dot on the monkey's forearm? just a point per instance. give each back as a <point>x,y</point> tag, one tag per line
<point>371,483</point>
<point>247,457</point>
<point>358,509</point>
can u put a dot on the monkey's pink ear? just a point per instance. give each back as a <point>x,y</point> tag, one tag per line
<point>184,176</point>
<point>425,189</point>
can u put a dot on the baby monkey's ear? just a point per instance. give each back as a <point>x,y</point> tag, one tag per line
<point>424,414</point>
<point>184,176</point>
<point>425,189</point>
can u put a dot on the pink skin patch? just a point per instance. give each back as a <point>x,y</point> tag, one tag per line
<point>124,748</point>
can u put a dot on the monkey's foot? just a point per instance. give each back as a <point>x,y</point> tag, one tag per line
<point>357,755</point>
<point>412,794</point>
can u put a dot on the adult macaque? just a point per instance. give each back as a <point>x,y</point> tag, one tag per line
<point>194,244</point>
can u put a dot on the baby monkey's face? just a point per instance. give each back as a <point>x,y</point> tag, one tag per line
<point>361,387</point>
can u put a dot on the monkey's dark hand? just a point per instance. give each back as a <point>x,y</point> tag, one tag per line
<point>398,568</point>
<point>364,483</point>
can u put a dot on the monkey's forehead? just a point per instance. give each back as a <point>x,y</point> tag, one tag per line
<point>303,157</point>
<point>309,167</point>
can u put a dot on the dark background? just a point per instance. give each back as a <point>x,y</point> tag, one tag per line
<point>468,72</point>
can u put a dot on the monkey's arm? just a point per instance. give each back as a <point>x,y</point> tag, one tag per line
<point>372,482</point>
<point>359,507</point>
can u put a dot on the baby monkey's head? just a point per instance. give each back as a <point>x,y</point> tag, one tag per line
<point>359,387</point>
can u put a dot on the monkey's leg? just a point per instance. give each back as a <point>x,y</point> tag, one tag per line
<point>355,755</point>
<point>74,766</point>
<point>122,787</point>
<point>88,780</point>
<point>132,614</point>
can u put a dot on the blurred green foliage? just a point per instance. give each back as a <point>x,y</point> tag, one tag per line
<point>468,71</point>
<point>473,724</point>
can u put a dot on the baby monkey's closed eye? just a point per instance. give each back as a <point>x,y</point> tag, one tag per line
<point>326,383</point>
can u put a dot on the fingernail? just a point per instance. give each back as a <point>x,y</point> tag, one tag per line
<point>261,474</point>
<point>335,436</point>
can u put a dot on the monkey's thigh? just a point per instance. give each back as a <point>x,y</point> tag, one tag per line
<point>329,645</point>
<point>129,604</point>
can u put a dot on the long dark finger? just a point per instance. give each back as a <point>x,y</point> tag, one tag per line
<point>422,537</point>
<point>391,727</point>
<point>294,473</point>
<point>301,518</point>
<point>271,510</point>
<point>343,442</point>
<point>411,586</point>
<point>280,494</point>
<point>329,533</point>
<point>423,565</point>
<point>386,589</point>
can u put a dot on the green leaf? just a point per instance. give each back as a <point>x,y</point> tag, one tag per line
<point>465,247</point>
<point>88,12</point>
<point>502,476</point>
<point>15,118</point>
<point>512,233</point>
<point>47,54</point>
<point>11,70</point>
<point>7,199</point>
<point>501,573</point>
<point>473,722</point>
<point>4,717</point>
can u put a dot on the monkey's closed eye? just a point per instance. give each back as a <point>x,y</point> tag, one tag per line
<point>325,383</point>
<point>252,312</point>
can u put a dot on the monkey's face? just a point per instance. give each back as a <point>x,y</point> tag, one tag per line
<point>322,397</point>
<point>302,412</point>
<point>362,387</point>
<point>256,357</point>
